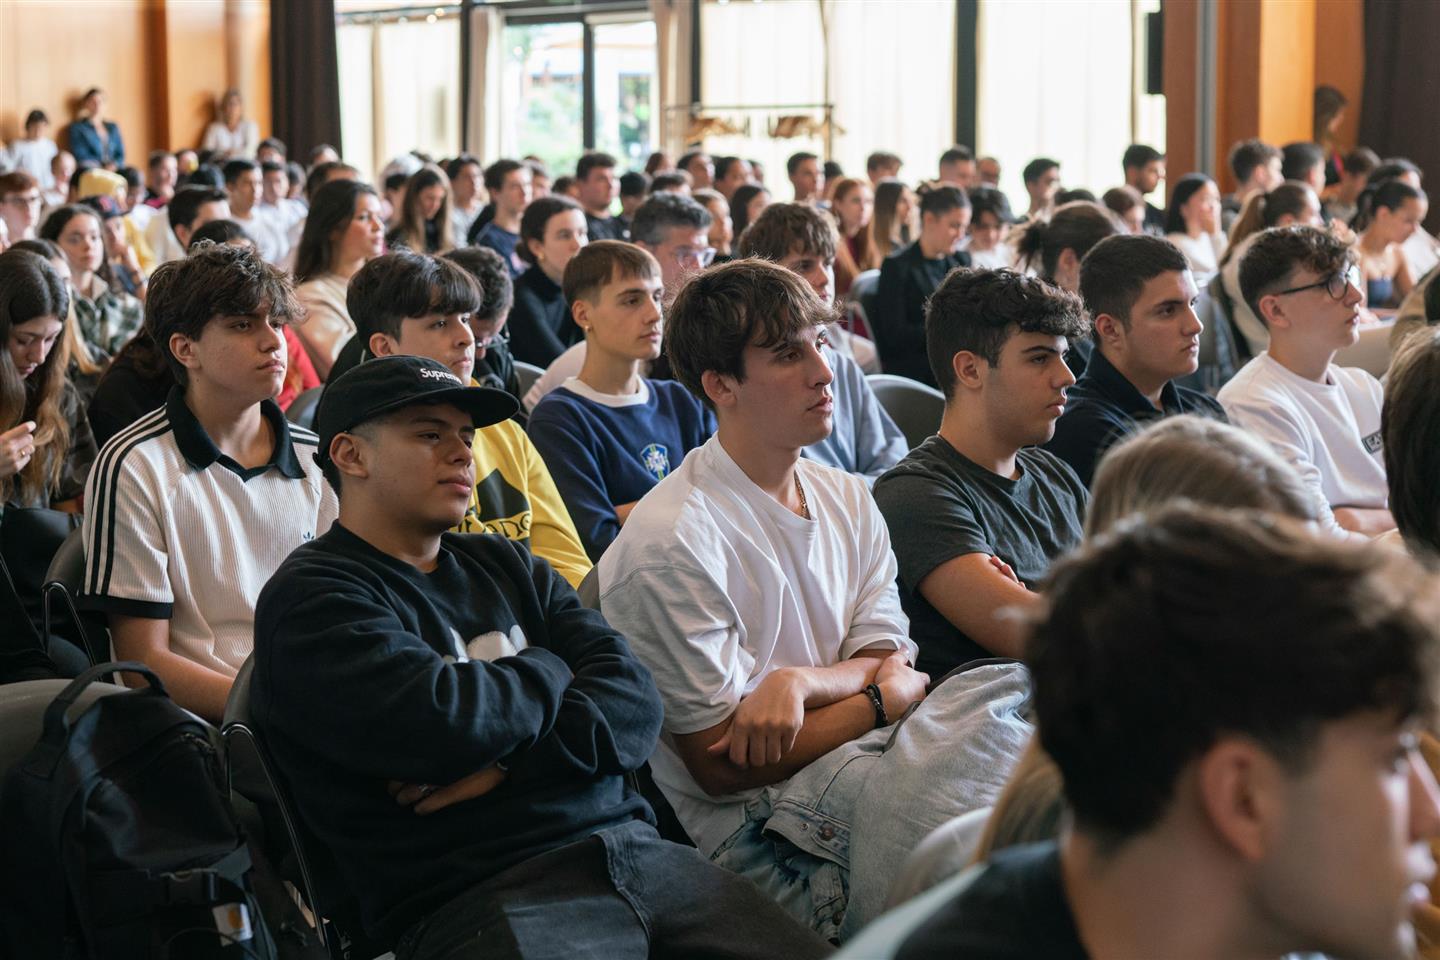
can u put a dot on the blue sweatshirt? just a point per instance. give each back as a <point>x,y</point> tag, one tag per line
<point>603,451</point>
<point>863,439</point>
<point>368,670</point>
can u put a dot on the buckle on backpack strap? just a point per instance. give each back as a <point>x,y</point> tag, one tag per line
<point>191,886</point>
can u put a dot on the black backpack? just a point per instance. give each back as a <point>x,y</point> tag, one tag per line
<point>117,838</point>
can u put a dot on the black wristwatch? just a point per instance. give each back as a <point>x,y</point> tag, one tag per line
<point>878,702</point>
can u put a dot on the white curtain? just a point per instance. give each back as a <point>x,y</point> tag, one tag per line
<point>674,29</point>
<point>487,29</point>
<point>907,107</point>
<point>1056,80</point>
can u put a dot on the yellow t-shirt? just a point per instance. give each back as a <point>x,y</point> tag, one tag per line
<point>515,497</point>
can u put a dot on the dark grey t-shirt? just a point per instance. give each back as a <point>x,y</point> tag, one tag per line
<point>940,505</point>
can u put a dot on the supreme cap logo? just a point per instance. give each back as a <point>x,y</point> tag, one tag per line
<point>439,375</point>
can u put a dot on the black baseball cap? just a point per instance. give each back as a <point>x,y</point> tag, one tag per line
<point>377,387</point>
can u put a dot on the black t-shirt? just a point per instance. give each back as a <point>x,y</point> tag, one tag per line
<point>939,505</point>
<point>1103,408</point>
<point>540,324</point>
<point>368,670</point>
<point>907,279</point>
<point>1014,910</point>
<point>606,228</point>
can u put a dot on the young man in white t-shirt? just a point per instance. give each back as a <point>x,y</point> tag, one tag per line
<point>759,588</point>
<point>1323,419</point>
<point>192,508</point>
<point>246,185</point>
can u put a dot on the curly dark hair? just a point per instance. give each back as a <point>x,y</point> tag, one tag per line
<point>978,310</point>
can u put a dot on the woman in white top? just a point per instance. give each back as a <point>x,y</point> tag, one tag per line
<point>343,231</point>
<point>33,152</point>
<point>1193,224</point>
<point>231,136</point>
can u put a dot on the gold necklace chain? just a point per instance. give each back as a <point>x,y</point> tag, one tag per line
<point>804,506</point>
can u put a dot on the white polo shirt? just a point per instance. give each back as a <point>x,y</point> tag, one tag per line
<point>175,530</point>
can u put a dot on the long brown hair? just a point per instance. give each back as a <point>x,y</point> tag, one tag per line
<point>332,207</point>
<point>848,265</point>
<point>886,233</point>
<point>30,289</point>
<point>72,343</point>
<point>411,231</point>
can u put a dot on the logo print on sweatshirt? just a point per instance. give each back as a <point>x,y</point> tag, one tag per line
<point>1372,443</point>
<point>488,646</point>
<point>656,460</point>
<point>498,507</point>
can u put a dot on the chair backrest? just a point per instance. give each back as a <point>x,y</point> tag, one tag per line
<point>589,589</point>
<point>915,407</point>
<point>62,586</point>
<point>22,707</point>
<point>253,775</point>
<point>301,411</point>
<point>865,284</point>
<point>1220,355</point>
<point>68,564</point>
<point>526,374</point>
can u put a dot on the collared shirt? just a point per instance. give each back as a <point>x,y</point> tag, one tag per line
<point>177,530</point>
<point>1103,408</point>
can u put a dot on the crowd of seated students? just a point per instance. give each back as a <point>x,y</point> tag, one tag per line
<point>793,597</point>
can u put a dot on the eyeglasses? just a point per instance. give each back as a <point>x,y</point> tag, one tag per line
<point>701,257</point>
<point>1336,284</point>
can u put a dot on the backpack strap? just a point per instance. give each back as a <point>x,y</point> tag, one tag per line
<point>138,893</point>
<point>56,724</point>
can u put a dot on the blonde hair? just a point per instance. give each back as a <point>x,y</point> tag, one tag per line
<point>1029,807</point>
<point>887,233</point>
<point>1198,459</point>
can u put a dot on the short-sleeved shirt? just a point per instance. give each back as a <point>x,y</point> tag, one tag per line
<point>606,228</point>
<point>1104,408</point>
<point>716,586</point>
<point>940,505</point>
<point>1329,432</point>
<point>176,530</point>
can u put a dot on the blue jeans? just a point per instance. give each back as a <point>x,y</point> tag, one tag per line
<point>621,893</point>
<point>814,890</point>
<point>827,843</point>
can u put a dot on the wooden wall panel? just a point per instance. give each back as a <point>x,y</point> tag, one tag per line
<point>1287,70</point>
<point>165,63</point>
<point>1178,82</point>
<point>1340,58</point>
<point>51,52</point>
<point>1270,56</point>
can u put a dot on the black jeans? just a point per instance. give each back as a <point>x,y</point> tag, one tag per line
<point>622,893</point>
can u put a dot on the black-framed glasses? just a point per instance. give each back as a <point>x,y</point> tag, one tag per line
<point>1336,284</point>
